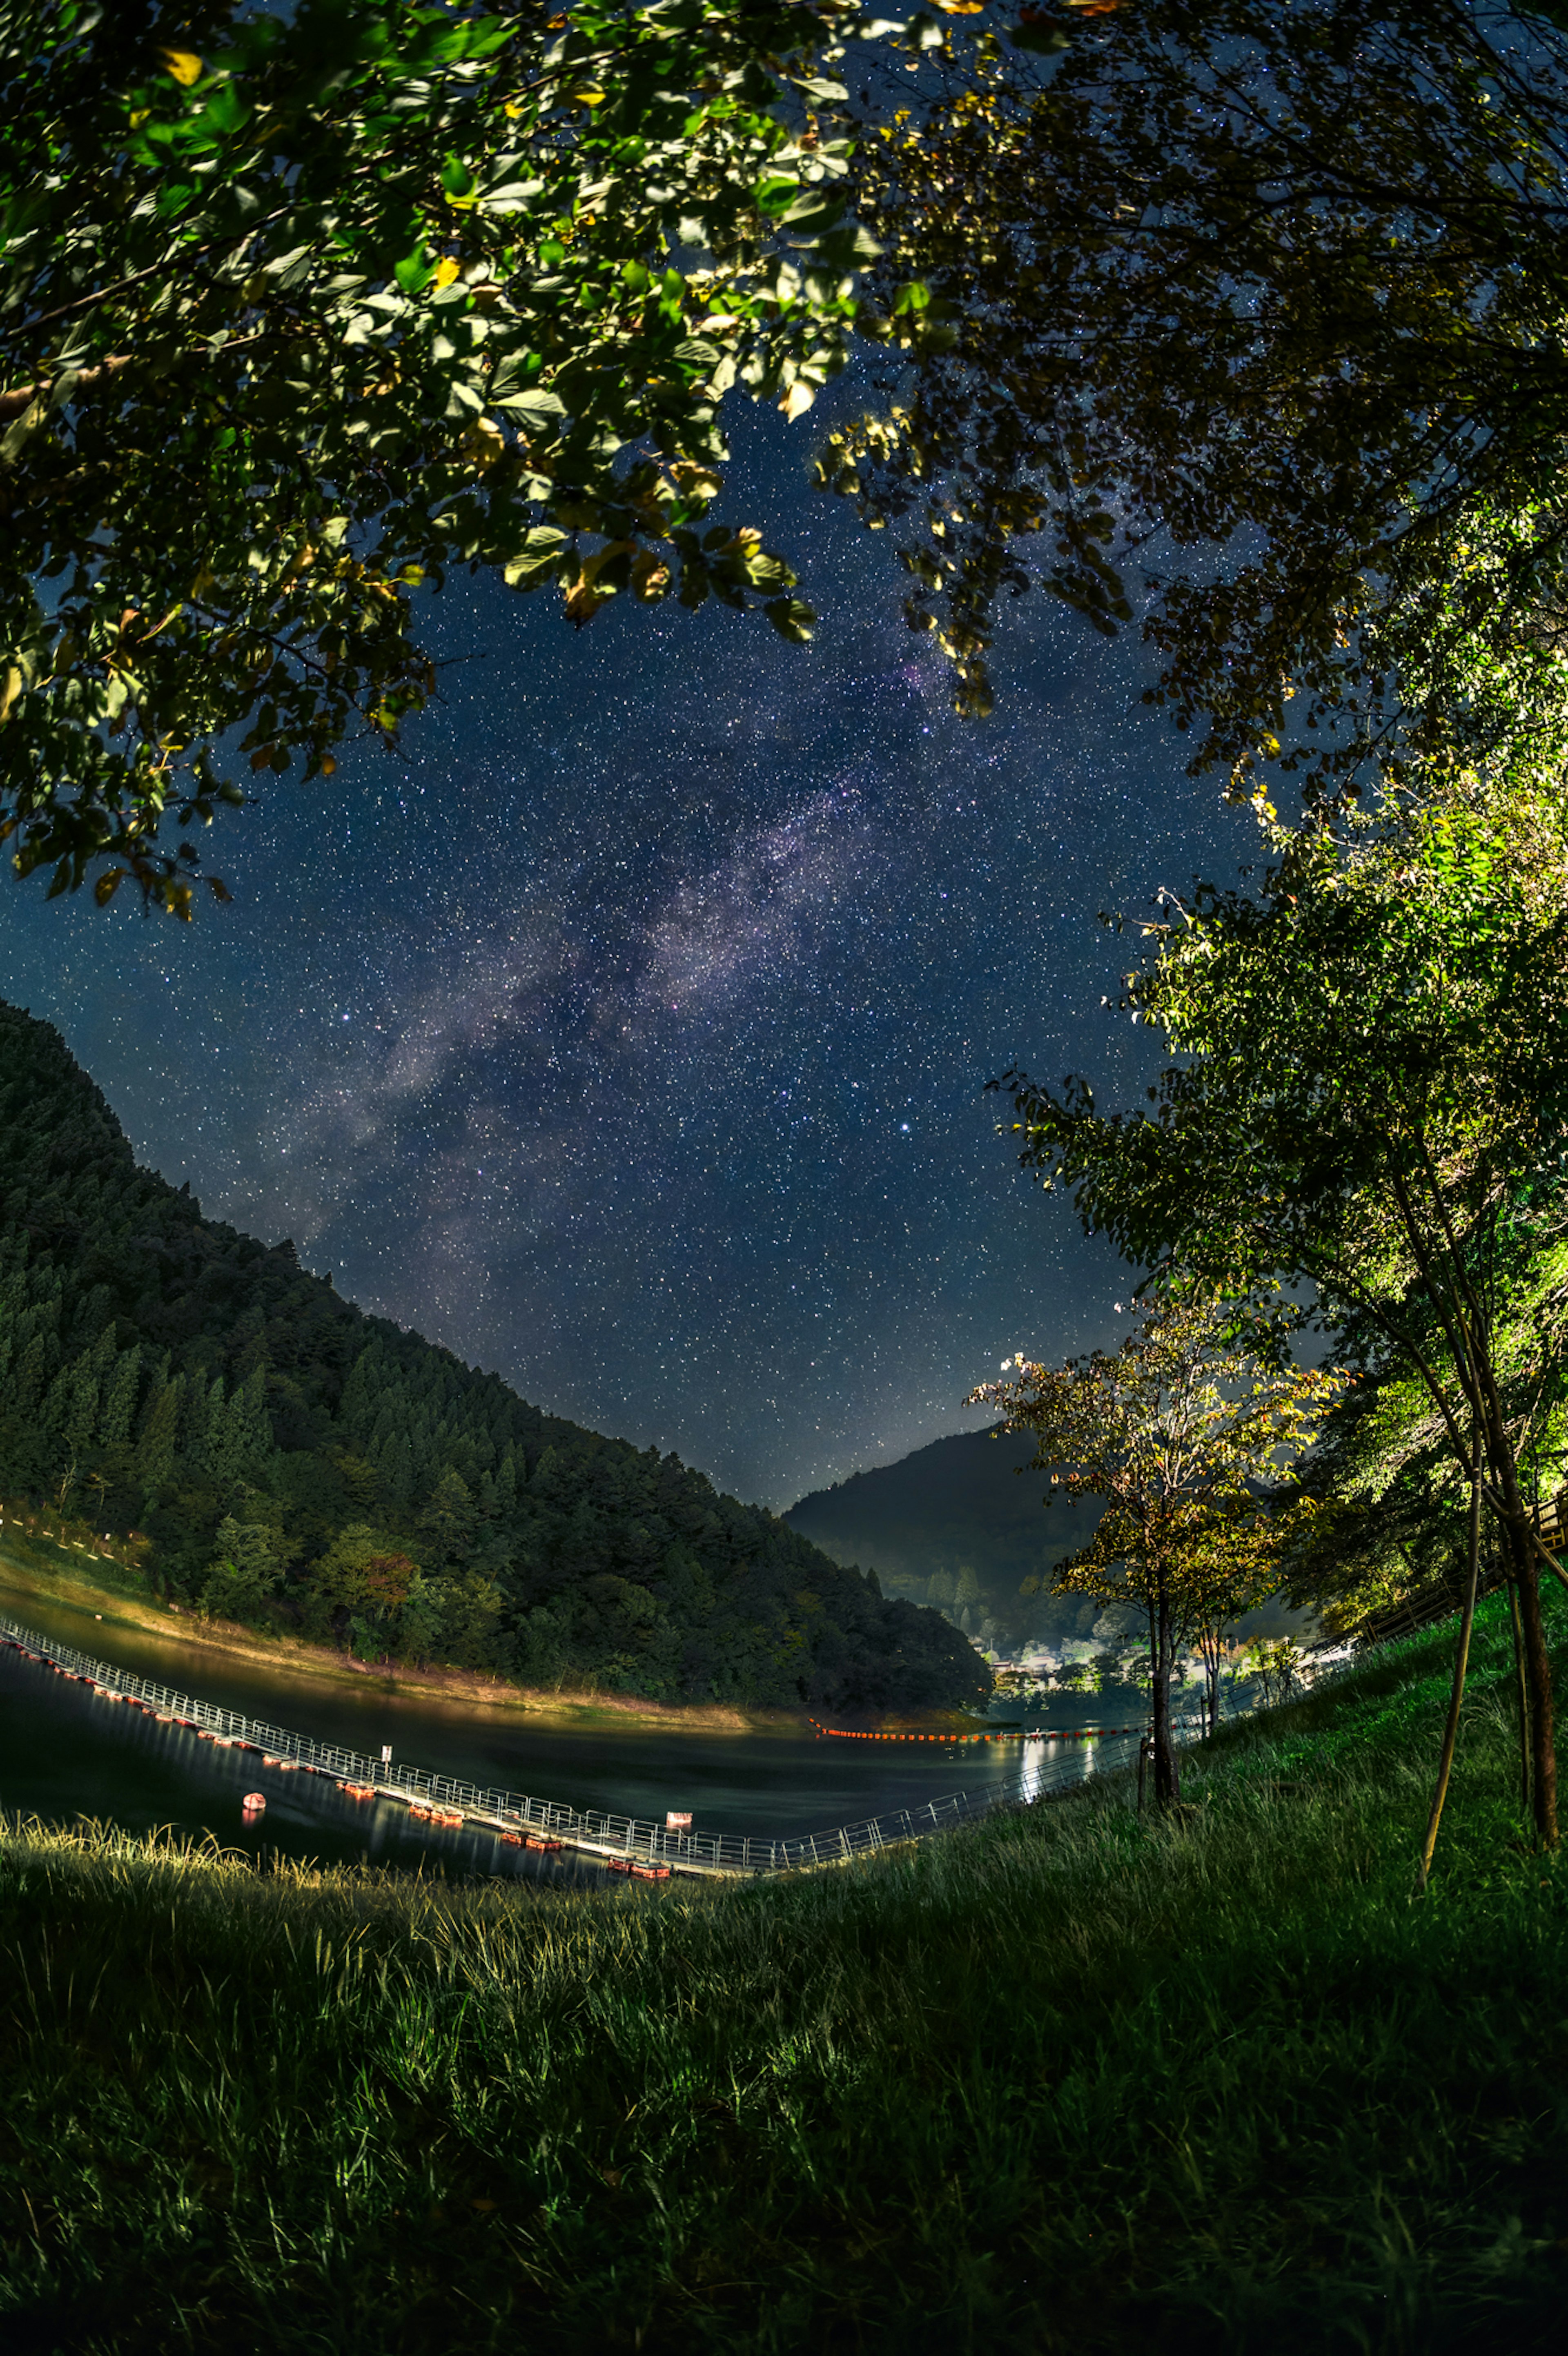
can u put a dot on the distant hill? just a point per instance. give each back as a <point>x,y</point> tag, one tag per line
<point>959,1525</point>
<point>286,1458</point>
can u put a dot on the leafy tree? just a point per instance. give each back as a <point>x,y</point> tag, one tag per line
<point>1371,1098</point>
<point>422,1619</point>
<point>361,1580</point>
<point>447,1521</point>
<point>120,1399</point>
<point>1262,300</point>
<point>1276,1662</point>
<point>1393,1525</point>
<point>243,1571</point>
<point>1174,1431</point>
<point>299,310</point>
<point>159,1433</point>
<point>472,1609</point>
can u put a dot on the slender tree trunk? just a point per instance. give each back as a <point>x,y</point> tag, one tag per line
<point>1522,1688</point>
<point>1538,1680</point>
<point>1167,1781</point>
<point>1212,1666</point>
<point>1517,1525</point>
<point>1461,1662</point>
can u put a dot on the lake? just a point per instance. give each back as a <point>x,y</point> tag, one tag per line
<point>64,1754</point>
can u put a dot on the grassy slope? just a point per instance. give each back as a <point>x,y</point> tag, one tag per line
<point>1063,2081</point>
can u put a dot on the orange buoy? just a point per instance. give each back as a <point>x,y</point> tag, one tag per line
<point>253,1803</point>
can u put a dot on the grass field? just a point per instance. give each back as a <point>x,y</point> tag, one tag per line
<point>1064,2081</point>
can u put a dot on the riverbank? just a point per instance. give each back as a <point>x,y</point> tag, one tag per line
<point>103,1591</point>
<point>1067,2079</point>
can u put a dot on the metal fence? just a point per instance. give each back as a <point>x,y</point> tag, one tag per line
<point>587,1831</point>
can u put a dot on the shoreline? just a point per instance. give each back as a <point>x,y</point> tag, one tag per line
<point>142,1615</point>
<point>294,1656</point>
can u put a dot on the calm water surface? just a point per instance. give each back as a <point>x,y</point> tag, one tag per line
<point>64,1754</point>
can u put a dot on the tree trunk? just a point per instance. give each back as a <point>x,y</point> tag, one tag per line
<point>1517,1526</point>
<point>1167,1779</point>
<point>1211,1665</point>
<point>1538,1677</point>
<point>1523,1684</point>
<point>1461,1662</point>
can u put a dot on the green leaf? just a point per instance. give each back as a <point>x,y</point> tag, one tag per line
<point>414,271</point>
<point>1043,39</point>
<point>792,618</point>
<point>535,412</point>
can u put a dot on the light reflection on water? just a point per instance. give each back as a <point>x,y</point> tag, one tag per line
<point>66,1754</point>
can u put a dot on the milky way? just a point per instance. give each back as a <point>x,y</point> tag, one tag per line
<point>629,1032</point>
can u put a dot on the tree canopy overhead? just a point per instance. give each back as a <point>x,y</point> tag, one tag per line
<point>1266,299</point>
<point>296,313</point>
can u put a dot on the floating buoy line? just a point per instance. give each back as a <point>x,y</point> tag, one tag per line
<point>995,1734</point>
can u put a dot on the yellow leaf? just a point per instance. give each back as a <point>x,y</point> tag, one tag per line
<point>447,270</point>
<point>586,97</point>
<point>10,688</point>
<point>696,481</point>
<point>483,443</point>
<point>649,577</point>
<point>798,399</point>
<point>183,64</point>
<point>959,7</point>
<point>581,604</point>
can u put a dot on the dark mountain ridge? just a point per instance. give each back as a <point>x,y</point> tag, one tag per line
<point>958,1526</point>
<point>273,1454</point>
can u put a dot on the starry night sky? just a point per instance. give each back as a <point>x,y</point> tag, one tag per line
<point>629,1033</point>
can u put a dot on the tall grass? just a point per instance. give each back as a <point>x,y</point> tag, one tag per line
<point>1065,2080</point>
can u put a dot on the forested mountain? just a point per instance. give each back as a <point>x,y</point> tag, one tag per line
<point>959,1525</point>
<point>285,1457</point>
